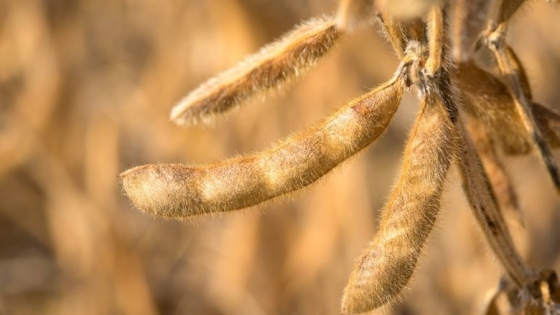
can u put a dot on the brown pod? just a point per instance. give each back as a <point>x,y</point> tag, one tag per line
<point>408,217</point>
<point>175,190</point>
<point>495,169</point>
<point>483,202</point>
<point>487,99</point>
<point>272,66</point>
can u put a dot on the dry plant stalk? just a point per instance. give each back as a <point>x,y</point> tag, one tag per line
<point>501,116</point>
<point>518,71</point>
<point>510,69</point>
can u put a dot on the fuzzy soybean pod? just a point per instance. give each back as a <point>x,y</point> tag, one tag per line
<point>486,98</point>
<point>388,262</point>
<point>175,190</point>
<point>273,66</point>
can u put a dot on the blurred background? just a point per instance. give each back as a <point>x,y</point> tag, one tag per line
<point>85,91</point>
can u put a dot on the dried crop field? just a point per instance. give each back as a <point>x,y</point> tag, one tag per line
<point>86,87</point>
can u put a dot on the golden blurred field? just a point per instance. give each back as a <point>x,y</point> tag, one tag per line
<point>85,91</point>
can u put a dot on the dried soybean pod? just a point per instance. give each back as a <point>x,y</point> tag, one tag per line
<point>483,203</point>
<point>436,35</point>
<point>407,219</point>
<point>497,174</point>
<point>274,65</point>
<point>353,13</point>
<point>175,190</point>
<point>468,20</point>
<point>487,99</point>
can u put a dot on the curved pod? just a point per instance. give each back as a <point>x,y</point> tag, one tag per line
<point>274,65</point>
<point>388,262</point>
<point>176,190</point>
